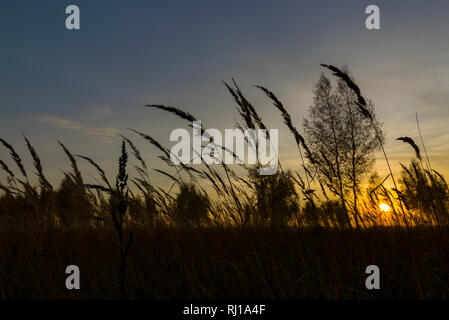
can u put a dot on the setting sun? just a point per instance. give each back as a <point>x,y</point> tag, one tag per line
<point>384,207</point>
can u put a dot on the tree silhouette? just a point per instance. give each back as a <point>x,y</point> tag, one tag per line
<point>342,141</point>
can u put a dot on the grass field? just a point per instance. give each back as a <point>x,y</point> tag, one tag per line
<point>216,234</point>
<point>228,263</point>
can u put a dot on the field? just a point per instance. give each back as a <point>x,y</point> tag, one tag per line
<point>301,233</point>
<point>220,263</point>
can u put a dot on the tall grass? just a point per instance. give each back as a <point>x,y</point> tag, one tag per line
<point>216,234</point>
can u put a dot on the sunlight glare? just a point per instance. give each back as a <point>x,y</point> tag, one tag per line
<point>384,207</point>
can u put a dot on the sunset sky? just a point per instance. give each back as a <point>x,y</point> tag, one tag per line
<point>84,87</point>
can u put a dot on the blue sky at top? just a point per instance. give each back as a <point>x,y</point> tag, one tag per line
<point>84,87</point>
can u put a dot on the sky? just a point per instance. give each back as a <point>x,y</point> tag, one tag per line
<point>85,87</point>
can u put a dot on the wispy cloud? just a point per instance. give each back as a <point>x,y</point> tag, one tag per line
<point>105,134</point>
<point>100,110</point>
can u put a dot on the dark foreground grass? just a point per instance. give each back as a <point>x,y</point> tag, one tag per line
<point>219,263</point>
